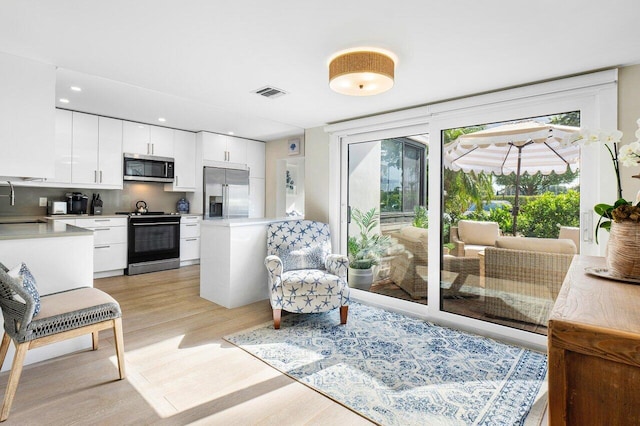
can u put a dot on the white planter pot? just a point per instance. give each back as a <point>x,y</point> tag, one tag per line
<point>360,278</point>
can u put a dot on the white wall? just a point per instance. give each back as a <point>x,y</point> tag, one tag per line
<point>275,151</point>
<point>316,204</point>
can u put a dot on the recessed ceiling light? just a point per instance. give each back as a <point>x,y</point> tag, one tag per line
<point>64,100</point>
<point>162,120</point>
<point>76,88</point>
<point>230,133</point>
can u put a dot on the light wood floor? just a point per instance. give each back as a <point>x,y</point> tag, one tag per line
<point>179,370</point>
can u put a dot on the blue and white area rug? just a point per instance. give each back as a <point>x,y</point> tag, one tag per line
<point>398,370</point>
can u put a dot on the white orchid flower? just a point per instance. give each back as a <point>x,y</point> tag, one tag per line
<point>589,136</point>
<point>629,154</point>
<point>610,137</point>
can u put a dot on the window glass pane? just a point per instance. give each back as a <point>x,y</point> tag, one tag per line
<point>510,219</point>
<point>398,164</point>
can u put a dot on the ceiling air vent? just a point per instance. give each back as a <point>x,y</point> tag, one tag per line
<point>270,92</point>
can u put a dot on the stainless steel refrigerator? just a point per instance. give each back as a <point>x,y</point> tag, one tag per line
<point>226,193</point>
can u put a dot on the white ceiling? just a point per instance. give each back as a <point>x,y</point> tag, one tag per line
<point>196,62</point>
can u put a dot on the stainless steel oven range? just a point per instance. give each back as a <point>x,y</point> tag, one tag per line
<point>153,242</point>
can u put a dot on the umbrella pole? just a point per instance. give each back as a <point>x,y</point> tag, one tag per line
<point>516,201</point>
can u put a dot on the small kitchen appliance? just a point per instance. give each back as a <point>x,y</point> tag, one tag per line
<point>77,203</point>
<point>96,205</point>
<point>56,207</point>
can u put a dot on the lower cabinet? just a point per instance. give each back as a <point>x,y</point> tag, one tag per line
<point>109,243</point>
<point>189,240</point>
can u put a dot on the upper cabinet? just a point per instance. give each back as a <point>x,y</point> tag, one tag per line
<point>224,148</point>
<point>27,94</point>
<point>97,151</point>
<point>63,146</point>
<point>147,140</point>
<point>184,152</point>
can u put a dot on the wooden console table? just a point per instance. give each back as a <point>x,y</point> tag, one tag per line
<point>594,350</point>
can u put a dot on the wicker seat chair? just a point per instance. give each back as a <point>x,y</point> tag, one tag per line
<point>471,237</point>
<point>523,277</point>
<point>409,268</point>
<point>61,316</point>
<point>304,277</point>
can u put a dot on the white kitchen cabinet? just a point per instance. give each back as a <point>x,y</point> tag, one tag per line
<point>27,127</point>
<point>63,146</point>
<point>161,141</point>
<point>256,197</point>
<point>138,138</point>
<point>225,148</point>
<point>184,151</point>
<point>135,138</point>
<point>189,240</point>
<point>109,244</point>
<point>256,158</point>
<point>97,151</point>
<point>85,149</point>
<point>110,152</point>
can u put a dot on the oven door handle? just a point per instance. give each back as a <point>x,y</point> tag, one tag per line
<point>155,223</point>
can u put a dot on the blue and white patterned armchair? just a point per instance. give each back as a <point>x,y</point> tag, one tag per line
<point>304,276</point>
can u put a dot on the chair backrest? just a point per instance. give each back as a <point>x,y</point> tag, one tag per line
<point>572,233</point>
<point>17,311</point>
<point>478,233</point>
<point>300,244</point>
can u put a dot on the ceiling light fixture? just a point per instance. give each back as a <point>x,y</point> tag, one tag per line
<point>76,88</point>
<point>362,71</point>
<point>64,100</point>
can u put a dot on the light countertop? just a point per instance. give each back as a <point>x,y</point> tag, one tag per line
<point>20,231</point>
<point>245,221</point>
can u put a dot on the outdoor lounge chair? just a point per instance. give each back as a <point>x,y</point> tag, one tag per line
<point>470,237</point>
<point>523,277</point>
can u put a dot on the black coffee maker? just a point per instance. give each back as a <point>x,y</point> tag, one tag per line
<point>77,203</point>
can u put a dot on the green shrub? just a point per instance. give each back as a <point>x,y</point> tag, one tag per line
<point>542,216</point>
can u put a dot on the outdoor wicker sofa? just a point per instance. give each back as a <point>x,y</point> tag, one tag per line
<point>523,277</point>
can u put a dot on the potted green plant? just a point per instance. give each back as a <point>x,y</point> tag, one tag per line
<point>365,249</point>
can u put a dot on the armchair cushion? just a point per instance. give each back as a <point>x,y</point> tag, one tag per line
<point>24,277</point>
<point>413,233</point>
<point>544,245</point>
<point>302,258</point>
<point>478,233</point>
<point>310,282</point>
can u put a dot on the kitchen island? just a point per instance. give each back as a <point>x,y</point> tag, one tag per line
<point>232,271</point>
<point>60,256</point>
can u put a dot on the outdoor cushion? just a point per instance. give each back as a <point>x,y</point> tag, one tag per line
<point>415,233</point>
<point>478,233</point>
<point>544,245</point>
<point>572,233</point>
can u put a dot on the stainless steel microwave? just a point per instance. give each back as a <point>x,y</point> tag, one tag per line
<point>148,168</point>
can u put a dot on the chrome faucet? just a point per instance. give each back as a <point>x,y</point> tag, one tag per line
<point>12,194</point>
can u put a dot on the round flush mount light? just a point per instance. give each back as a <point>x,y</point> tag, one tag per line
<point>362,71</point>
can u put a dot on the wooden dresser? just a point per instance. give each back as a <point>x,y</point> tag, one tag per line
<point>594,350</point>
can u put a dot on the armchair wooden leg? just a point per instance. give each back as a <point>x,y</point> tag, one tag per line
<point>4,347</point>
<point>14,378</point>
<point>276,318</point>
<point>119,341</point>
<point>95,339</point>
<point>344,311</point>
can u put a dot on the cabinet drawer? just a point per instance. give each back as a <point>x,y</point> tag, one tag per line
<point>107,257</point>
<point>190,219</point>
<point>109,235</point>
<point>189,248</point>
<point>101,222</point>
<point>189,230</point>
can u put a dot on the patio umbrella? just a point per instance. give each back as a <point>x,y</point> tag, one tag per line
<point>523,147</point>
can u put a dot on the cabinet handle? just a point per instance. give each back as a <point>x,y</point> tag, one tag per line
<point>153,148</point>
<point>101,247</point>
<point>95,176</point>
<point>102,229</point>
<point>102,220</point>
<point>176,184</point>
<point>191,224</point>
<point>191,239</point>
<point>100,176</point>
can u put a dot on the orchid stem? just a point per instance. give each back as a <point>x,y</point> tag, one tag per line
<point>616,166</point>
